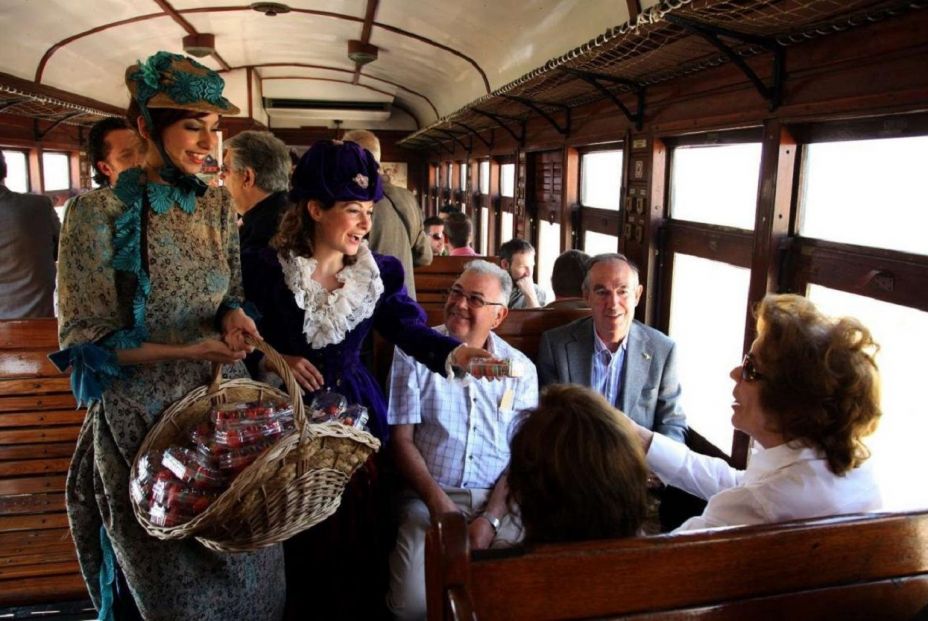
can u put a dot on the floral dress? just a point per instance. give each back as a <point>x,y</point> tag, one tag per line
<point>139,263</point>
<point>338,569</point>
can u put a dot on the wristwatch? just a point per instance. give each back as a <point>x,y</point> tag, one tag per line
<point>492,519</point>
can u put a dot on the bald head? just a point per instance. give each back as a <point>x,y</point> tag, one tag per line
<point>366,139</point>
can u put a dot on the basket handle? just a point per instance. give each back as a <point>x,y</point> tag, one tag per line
<point>277,364</point>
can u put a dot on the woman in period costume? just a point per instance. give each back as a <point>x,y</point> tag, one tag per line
<point>320,291</point>
<point>150,295</point>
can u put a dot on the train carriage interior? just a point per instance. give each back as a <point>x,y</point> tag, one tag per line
<point>730,148</point>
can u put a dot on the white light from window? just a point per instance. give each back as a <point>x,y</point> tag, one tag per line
<point>56,171</point>
<point>851,188</point>
<point>716,185</point>
<point>17,171</point>
<point>549,248</point>
<point>484,232</point>
<point>599,243</point>
<point>463,177</point>
<point>506,228</point>
<point>897,446</point>
<point>484,172</point>
<point>709,344</point>
<point>601,179</point>
<point>507,178</point>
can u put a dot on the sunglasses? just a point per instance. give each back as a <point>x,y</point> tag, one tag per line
<point>749,372</point>
<point>436,236</point>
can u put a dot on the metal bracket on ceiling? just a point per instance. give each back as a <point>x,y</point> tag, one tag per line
<point>39,134</point>
<point>10,104</point>
<point>499,121</point>
<point>456,139</point>
<point>536,106</point>
<point>440,144</point>
<point>595,79</point>
<point>710,33</point>
<point>488,143</point>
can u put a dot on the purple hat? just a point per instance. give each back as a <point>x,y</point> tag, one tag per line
<point>332,171</point>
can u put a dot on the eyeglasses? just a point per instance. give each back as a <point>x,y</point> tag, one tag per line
<point>473,300</point>
<point>749,372</point>
<point>436,236</point>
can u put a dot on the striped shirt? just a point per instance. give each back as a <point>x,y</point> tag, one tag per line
<point>606,377</point>
<point>462,427</point>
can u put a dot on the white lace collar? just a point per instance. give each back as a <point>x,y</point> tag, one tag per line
<point>328,317</point>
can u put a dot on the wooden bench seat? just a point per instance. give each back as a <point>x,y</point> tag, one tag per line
<point>848,567</point>
<point>39,424</point>
<point>434,280</point>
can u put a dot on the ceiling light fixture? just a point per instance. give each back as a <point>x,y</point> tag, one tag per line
<point>362,53</point>
<point>270,9</point>
<point>200,45</point>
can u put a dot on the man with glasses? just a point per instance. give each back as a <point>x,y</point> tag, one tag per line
<point>435,231</point>
<point>451,437</point>
<point>632,365</point>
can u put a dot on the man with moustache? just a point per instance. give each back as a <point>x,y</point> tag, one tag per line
<point>451,437</point>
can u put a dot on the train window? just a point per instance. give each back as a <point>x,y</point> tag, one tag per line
<point>709,344</point>
<point>549,247</point>
<point>484,172</point>
<point>17,170</point>
<point>715,184</point>
<point>848,186</point>
<point>484,231</point>
<point>601,179</point>
<point>464,177</point>
<point>507,180</point>
<point>56,170</point>
<point>448,167</point>
<point>897,445</point>
<point>506,226</point>
<point>598,243</point>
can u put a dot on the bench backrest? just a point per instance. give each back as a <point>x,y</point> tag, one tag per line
<point>38,429</point>
<point>434,280</point>
<point>848,567</point>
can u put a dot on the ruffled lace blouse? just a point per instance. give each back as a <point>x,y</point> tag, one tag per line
<point>328,317</point>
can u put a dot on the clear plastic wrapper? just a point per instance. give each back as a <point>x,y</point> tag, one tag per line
<point>230,417</point>
<point>492,367</point>
<point>234,461</point>
<point>242,436</point>
<point>187,467</point>
<point>180,498</point>
<point>354,416</point>
<point>327,406</point>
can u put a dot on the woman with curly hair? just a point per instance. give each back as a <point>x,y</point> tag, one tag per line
<point>807,393</point>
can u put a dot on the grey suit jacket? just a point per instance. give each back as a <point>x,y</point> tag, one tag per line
<point>650,392</point>
<point>29,230</point>
<point>396,230</point>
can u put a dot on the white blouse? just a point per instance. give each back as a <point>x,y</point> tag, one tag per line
<point>328,317</point>
<point>781,483</point>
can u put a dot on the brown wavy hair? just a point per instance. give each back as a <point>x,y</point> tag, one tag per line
<point>821,384</point>
<point>296,230</point>
<point>577,470</point>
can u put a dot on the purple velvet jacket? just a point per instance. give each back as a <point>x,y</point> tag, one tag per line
<point>396,317</point>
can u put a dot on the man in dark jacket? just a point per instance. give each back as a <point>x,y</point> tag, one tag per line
<point>256,172</point>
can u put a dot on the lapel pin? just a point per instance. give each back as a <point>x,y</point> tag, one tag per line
<point>646,355</point>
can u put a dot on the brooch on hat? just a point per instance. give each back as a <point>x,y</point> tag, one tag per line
<point>361,180</point>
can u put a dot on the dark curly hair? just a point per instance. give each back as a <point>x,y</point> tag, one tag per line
<point>576,469</point>
<point>821,384</point>
<point>97,147</point>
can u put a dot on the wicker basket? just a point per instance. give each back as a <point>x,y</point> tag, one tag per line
<point>293,485</point>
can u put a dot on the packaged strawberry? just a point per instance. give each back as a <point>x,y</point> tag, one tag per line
<point>186,466</point>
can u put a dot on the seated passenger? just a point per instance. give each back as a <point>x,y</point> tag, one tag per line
<point>567,277</point>
<point>576,469</point>
<point>517,256</point>
<point>451,439</point>
<point>807,393</point>
<point>435,231</point>
<point>459,235</point>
